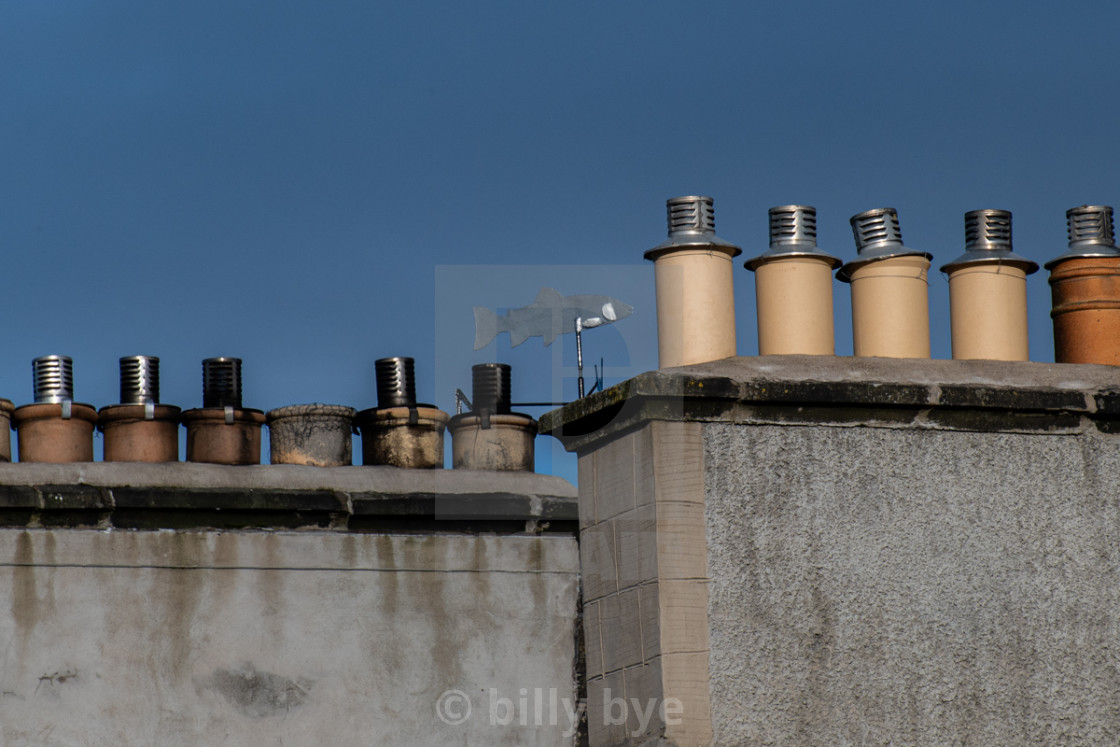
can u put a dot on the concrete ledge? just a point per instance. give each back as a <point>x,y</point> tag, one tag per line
<point>954,395</point>
<point>183,495</point>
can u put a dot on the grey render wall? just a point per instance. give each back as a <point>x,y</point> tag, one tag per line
<point>901,586</point>
<point>259,635</point>
<point>854,551</point>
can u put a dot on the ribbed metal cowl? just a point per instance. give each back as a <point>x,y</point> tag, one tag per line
<point>490,387</point>
<point>793,233</point>
<point>221,382</point>
<point>53,378</point>
<point>139,380</point>
<point>692,224</point>
<point>396,382</point>
<point>987,240</point>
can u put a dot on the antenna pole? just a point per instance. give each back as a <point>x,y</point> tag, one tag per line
<point>579,352</point>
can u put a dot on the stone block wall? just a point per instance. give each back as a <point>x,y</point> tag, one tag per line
<point>643,553</point>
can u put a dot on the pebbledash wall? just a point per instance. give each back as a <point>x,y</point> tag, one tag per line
<point>795,550</point>
<point>188,604</point>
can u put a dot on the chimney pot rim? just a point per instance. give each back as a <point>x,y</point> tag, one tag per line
<point>991,257</point>
<point>1085,250</point>
<point>874,253</point>
<point>695,240</point>
<point>792,250</point>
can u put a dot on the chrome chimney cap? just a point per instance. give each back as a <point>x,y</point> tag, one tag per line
<point>987,240</point>
<point>692,225</point>
<point>877,237</point>
<point>1091,234</point>
<point>53,378</point>
<point>793,233</point>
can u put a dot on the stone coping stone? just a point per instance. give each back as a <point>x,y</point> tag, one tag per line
<point>177,495</point>
<point>822,389</point>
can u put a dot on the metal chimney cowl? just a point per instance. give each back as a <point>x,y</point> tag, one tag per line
<point>490,436</point>
<point>54,429</point>
<point>890,289</point>
<point>695,291</point>
<point>988,292</point>
<point>140,429</point>
<point>400,432</point>
<point>793,287</point>
<point>1085,290</point>
<point>222,431</point>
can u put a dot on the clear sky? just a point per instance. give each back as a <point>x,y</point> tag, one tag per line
<point>311,186</point>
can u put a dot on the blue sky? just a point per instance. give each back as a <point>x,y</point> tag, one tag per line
<point>283,181</point>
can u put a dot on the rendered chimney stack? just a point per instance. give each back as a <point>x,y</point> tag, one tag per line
<point>399,432</point>
<point>890,289</point>
<point>490,437</point>
<point>695,293</point>
<point>140,429</point>
<point>988,291</point>
<point>793,287</point>
<point>55,428</point>
<point>222,431</point>
<point>1085,288</point>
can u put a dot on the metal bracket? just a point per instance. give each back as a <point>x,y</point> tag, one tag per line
<point>413,416</point>
<point>460,398</point>
<point>229,415</point>
<point>149,411</point>
<point>67,409</point>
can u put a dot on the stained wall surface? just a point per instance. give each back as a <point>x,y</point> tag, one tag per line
<point>257,636</point>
